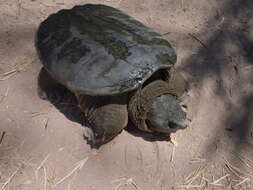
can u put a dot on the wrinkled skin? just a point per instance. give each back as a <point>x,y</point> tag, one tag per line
<point>157,107</point>
<point>106,115</point>
<point>166,114</point>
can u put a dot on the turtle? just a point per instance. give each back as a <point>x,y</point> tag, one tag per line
<point>118,68</point>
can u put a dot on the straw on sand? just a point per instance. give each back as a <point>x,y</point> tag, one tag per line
<point>10,178</point>
<point>21,66</point>
<point>79,166</point>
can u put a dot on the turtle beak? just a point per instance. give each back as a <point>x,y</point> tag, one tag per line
<point>177,125</point>
<point>182,125</point>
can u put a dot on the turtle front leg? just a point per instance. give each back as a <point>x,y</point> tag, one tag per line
<point>106,115</point>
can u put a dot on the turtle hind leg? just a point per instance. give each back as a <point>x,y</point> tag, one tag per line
<point>106,116</point>
<point>50,89</point>
<point>64,100</point>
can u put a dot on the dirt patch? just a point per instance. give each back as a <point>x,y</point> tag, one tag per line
<point>41,147</point>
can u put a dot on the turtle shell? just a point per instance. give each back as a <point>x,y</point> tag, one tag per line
<point>99,50</point>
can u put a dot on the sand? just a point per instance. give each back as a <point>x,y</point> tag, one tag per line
<point>42,145</point>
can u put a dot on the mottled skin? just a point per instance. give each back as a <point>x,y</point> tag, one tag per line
<point>117,67</point>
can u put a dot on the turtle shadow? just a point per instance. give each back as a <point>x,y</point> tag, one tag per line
<point>154,136</point>
<point>66,102</point>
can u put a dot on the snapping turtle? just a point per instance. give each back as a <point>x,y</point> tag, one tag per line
<point>117,68</point>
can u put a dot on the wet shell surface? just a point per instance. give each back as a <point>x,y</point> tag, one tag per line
<point>99,50</point>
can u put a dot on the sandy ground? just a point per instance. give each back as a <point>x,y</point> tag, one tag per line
<point>43,147</point>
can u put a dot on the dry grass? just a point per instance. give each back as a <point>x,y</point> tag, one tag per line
<point>195,179</point>
<point>14,165</point>
<point>45,177</point>
<point>174,143</point>
<point>19,67</point>
<point>242,175</point>
<point>78,166</point>
<point>216,182</point>
<point>232,177</point>
<point>35,114</point>
<point>5,95</point>
<point>41,166</point>
<point>125,182</point>
<point>11,177</point>
<point>199,40</point>
<point>172,154</point>
<point>197,160</point>
<point>46,123</point>
<point>2,136</point>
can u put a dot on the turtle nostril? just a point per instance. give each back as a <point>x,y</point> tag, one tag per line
<point>172,125</point>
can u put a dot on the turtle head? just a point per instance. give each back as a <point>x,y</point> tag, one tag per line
<point>166,115</point>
